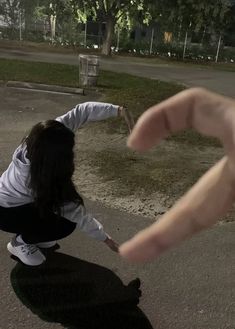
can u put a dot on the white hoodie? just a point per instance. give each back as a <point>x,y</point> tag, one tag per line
<point>14,190</point>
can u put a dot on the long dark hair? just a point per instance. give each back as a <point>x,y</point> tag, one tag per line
<point>50,151</point>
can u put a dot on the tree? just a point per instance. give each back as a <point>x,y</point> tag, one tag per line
<point>14,12</point>
<point>212,14</point>
<point>9,10</point>
<point>109,12</point>
<point>52,9</point>
<point>55,12</point>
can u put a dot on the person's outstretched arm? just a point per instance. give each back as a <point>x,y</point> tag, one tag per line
<point>94,111</point>
<point>88,224</point>
<point>213,195</point>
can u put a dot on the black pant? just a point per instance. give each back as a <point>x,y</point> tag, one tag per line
<point>25,220</point>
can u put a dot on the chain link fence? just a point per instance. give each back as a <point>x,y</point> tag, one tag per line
<point>181,45</point>
<point>146,41</point>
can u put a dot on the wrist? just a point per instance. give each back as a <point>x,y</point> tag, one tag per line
<point>107,237</point>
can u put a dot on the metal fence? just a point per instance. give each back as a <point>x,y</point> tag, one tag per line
<point>153,41</point>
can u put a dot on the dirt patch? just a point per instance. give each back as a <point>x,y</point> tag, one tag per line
<point>140,184</point>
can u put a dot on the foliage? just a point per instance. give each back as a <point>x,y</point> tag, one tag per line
<point>205,16</point>
<point>9,12</point>
<point>112,12</point>
<point>213,14</point>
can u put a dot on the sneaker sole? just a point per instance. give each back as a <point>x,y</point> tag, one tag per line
<point>46,245</point>
<point>15,253</point>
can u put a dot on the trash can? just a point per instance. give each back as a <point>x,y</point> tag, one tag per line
<point>88,70</point>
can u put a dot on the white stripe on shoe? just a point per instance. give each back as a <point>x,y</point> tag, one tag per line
<point>48,244</point>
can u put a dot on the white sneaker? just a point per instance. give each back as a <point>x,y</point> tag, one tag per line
<point>29,254</point>
<point>48,244</point>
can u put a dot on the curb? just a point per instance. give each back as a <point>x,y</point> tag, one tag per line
<point>39,86</point>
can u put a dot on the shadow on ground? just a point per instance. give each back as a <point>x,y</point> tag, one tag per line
<point>79,294</point>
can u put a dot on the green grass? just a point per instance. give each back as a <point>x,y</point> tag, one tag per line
<point>138,94</point>
<point>58,74</point>
<point>44,47</point>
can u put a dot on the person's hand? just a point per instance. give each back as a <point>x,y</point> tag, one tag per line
<point>213,195</point>
<point>111,244</point>
<point>128,117</point>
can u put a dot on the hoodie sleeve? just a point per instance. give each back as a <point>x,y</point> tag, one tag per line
<point>85,221</point>
<point>86,112</point>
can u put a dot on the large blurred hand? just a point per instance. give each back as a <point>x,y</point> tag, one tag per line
<point>213,195</point>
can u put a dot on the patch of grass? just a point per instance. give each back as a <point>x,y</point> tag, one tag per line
<point>138,94</point>
<point>135,92</point>
<point>45,47</point>
<point>191,137</point>
<point>133,173</point>
<point>57,74</point>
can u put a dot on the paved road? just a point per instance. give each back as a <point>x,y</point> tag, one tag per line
<point>85,286</point>
<point>219,81</point>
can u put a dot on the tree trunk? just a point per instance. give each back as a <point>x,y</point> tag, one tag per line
<point>203,36</point>
<point>99,33</point>
<point>185,43</point>
<point>218,49</point>
<point>52,26</point>
<point>52,19</point>
<point>28,17</point>
<point>109,30</point>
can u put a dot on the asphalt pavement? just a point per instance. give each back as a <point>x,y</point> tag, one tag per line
<point>84,285</point>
